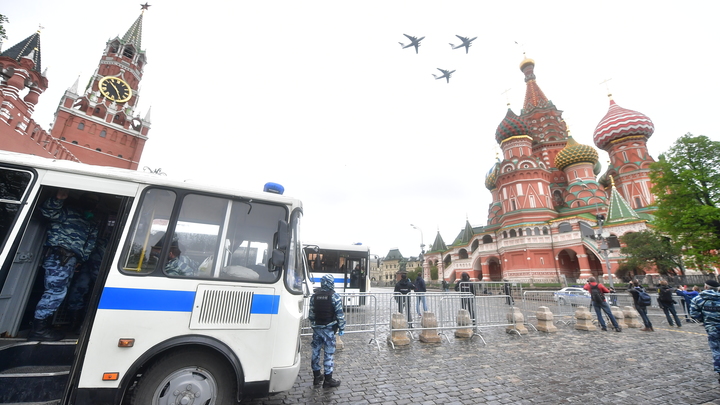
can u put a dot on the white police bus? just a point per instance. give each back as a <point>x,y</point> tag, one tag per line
<point>349,265</point>
<point>229,328</point>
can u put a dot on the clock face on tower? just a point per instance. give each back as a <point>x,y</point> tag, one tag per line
<point>115,89</point>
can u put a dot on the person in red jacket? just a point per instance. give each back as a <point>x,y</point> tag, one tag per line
<point>600,303</point>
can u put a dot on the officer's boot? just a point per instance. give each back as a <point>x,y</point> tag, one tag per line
<point>317,377</point>
<point>42,331</point>
<point>329,382</point>
<point>76,321</point>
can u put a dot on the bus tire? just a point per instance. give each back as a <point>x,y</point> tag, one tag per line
<point>187,376</point>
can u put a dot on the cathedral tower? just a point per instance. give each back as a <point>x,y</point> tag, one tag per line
<point>101,125</point>
<point>623,134</point>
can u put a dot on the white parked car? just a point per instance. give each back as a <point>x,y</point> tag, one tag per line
<point>572,296</point>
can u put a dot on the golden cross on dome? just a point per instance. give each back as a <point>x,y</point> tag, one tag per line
<point>607,86</point>
<point>507,96</point>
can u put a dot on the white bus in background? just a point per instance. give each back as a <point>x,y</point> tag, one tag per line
<point>349,264</point>
<point>229,329</point>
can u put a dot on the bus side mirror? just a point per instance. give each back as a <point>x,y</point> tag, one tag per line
<point>277,260</point>
<point>282,238</point>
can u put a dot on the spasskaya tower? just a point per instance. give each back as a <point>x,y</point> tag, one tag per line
<point>100,125</point>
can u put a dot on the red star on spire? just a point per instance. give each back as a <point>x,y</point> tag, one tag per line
<point>145,6</point>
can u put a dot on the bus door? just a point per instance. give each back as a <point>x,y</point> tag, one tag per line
<point>24,230</point>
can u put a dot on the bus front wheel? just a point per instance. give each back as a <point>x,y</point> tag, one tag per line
<point>187,377</point>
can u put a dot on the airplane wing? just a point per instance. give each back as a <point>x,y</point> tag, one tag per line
<point>462,38</point>
<point>444,71</point>
<point>410,37</point>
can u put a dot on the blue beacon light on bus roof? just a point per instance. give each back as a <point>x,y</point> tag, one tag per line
<point>274,188</point>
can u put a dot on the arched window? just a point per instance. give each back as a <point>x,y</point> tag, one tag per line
<point>74,142</point>
<point>487,239</point>
<point>81,125</point>
<point>520,232</point>
<point>475,245</point>
<point>128,52</point>
<point>565,227</point>
<point>546,231</point>
<point>537,231</point>
<point>103,133</point>
<point>504,234</point>
<point>463,254</point>
<point>513,233</point>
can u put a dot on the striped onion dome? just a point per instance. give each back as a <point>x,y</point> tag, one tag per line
<point>574,152</point>
<point>491,176</point>
<point>510,126</point>
<point>620,122</point>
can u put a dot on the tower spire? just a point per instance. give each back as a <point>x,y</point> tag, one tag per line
<point>134,33</point>
<point>25,48</point>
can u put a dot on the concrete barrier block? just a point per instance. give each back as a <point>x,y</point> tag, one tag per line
<point>546,320</point>
<point>429,333</point>
<point>632,318</point>
<point>399,337</point>
<point>463,321</point>
<point>515,315</point>
<point>584,319</point>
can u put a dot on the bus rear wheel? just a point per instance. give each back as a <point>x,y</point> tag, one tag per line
<point>187,377</point>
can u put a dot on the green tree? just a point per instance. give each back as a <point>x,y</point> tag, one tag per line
<point>3,34</point>
<point>687,190</point>
<point>647,249</point>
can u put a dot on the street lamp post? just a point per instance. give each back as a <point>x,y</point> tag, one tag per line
<point>603,245</point>
<point>422,244</point>
<point>422,250</point>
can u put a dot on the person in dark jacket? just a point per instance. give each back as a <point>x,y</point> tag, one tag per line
<point>420,289</point>
<point>464,285</point>
<point>706,309</point>
<point>634,290</point>
<point>326,317</point>
<point>666,302</point>
<point>402,295</point>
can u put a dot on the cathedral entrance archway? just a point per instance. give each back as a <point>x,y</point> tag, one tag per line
<point>494,269</point>
<point>568,265</point>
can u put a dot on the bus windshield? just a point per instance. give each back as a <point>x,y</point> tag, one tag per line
<point>349,264</point>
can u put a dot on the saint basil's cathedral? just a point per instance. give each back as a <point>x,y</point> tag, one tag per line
<point>548,201</point>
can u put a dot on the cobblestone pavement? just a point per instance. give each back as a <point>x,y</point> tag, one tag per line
<point>670,365</point>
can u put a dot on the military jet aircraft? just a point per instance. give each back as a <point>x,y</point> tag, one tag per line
<point>465,42</point>
<point>446,74</point>
<point>414,41</point>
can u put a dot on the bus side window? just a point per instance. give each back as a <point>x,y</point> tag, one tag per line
<point>198,235</point>
<point>13,186</point>
<point>147,238</point>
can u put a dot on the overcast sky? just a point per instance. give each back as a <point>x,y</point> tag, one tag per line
<point>320,97</point>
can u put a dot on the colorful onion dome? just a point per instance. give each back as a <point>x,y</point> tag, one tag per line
<point>511,125</point>
<point>620,122</point>
<point>492,175</point>
<point>574,152</point>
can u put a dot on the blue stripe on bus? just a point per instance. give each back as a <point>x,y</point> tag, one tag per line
<point>172,301</point>
<point>337,280</point>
